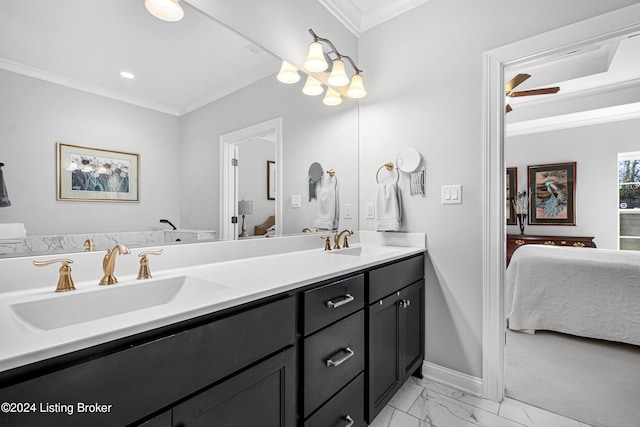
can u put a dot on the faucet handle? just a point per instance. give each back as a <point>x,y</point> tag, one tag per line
<point>65,282</point>
<point>145,272</point>
<point>327,243</point>
<point>345,244</point>
<point>91,247</point>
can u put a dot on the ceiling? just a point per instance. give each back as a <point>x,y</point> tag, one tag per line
<point>361,15</point>
<point>179,66</point>
<point>598,82</point>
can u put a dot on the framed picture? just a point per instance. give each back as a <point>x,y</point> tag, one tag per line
<point>96,174</point>
<point>553,194</point>
<point>512,191</point>
<point>271,180</point>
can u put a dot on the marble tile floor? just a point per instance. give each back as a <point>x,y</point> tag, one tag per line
<point>424,403</point>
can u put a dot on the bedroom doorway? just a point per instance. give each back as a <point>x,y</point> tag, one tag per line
<point>629,201</point>
<point>557,42</point>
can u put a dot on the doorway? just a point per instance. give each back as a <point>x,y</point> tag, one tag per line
<point>250,165</point>
<point>610,25</point>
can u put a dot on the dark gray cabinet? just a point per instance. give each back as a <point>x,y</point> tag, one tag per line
<point>328,355</point>
<point>395,330</point>
<point>263,395</point>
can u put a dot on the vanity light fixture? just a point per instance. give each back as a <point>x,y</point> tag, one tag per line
<point>332,97</point>
<point>312,87</point>
<point>317,62</point>
<point>288,73</point>
<point>167,10</point>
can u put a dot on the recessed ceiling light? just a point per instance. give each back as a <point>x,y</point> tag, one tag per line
<point>127,75</point>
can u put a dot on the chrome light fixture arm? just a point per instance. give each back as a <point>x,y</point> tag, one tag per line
<point>333,50</point>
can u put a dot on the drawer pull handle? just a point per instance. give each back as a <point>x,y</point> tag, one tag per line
<point>405,303</point>
<point>519,242</point>
<point>345,300</point>
<point>550,242</point>
<point>349,421</point>
<point>349,354</point>
<point>579,245</point>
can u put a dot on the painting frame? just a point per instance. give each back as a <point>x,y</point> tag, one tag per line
<point>511,190</point>
<point>271,180</point>
<point>553,194</point>
<point>92,174</point>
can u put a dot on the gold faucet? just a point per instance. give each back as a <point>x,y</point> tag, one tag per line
<point>65,282</point>
<point>307,230</point>
<point>109,264</point>
<point>327,242</point>
<point>91,247</point>
<point>337,239</point>
<point>145,272</point>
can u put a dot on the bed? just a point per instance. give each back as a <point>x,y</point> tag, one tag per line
<point>593,293</point>
<point>573,332</point>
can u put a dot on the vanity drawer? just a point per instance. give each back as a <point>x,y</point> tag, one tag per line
<point>342,408</point>
<point>386,280</point>
<point>332,358</point>
<point>332,302</point>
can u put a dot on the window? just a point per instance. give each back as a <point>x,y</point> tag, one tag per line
<point>629,200</point>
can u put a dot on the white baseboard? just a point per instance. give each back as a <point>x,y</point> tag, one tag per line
<point>463,382</point>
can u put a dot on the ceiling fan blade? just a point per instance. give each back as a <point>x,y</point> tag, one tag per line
<point>517,80</point>
<point>543,91</point>
<point>509,108</point>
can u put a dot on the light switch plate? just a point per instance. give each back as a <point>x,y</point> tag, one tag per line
<point>451,194</point>
<point>371,210</point>
<point>347,210</point>
<point>296,201</point>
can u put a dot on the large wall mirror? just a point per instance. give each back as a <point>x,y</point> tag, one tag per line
<point>195,81</point>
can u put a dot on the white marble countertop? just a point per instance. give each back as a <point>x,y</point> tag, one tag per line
<point>233,281</point>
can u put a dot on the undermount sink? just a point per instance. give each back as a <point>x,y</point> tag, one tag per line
<point>364,251</point>
<point>62,310</point>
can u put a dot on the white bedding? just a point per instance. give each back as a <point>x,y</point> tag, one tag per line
<point>593,293</point>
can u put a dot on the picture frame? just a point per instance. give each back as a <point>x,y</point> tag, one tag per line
<point>96,174</point>
<point>271,180</point>
<point>511,192</point>
<point>553,194</point>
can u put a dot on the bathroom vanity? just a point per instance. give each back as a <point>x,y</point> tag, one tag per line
<point>329,349</point>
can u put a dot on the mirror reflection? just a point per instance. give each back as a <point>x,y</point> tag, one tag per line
<point>60,81</point>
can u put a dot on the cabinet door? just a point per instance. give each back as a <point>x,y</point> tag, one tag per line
<point>263,395</point>
<point>384,353</point>
<point>411,328</point>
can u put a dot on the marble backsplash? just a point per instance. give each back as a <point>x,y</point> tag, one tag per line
<point>33,245</point>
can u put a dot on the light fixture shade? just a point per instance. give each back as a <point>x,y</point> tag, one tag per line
<point>332,97</point>
<point>167,10</point>
<point>312,87</point>
<point>338,77</point>
<point>288,73</point>
<point>315,63</point>
<point>356,88</point>
<point>246,207</point>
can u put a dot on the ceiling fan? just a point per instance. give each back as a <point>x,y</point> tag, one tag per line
<point>518,80</point>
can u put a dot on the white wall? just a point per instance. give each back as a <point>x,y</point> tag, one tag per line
<point>34,115</point>
<point>312,132</point>
<point>595,149</point>
<point>252,180</point>
<point>424,77</point>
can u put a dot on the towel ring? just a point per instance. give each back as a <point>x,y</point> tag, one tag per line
<point>332,174</point>
<point>389,167</point>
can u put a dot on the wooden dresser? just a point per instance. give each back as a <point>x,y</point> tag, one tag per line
<point>514,241</point>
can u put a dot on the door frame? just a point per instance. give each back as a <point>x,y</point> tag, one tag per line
<point>229,192</point>
<point>602,27</point>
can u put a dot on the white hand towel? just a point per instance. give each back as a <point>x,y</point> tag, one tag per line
<point>327,211</point>
<point>14,230</point>
<point>388,208</point>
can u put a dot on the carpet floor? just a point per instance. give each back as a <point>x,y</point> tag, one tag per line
<point>592,381</point>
